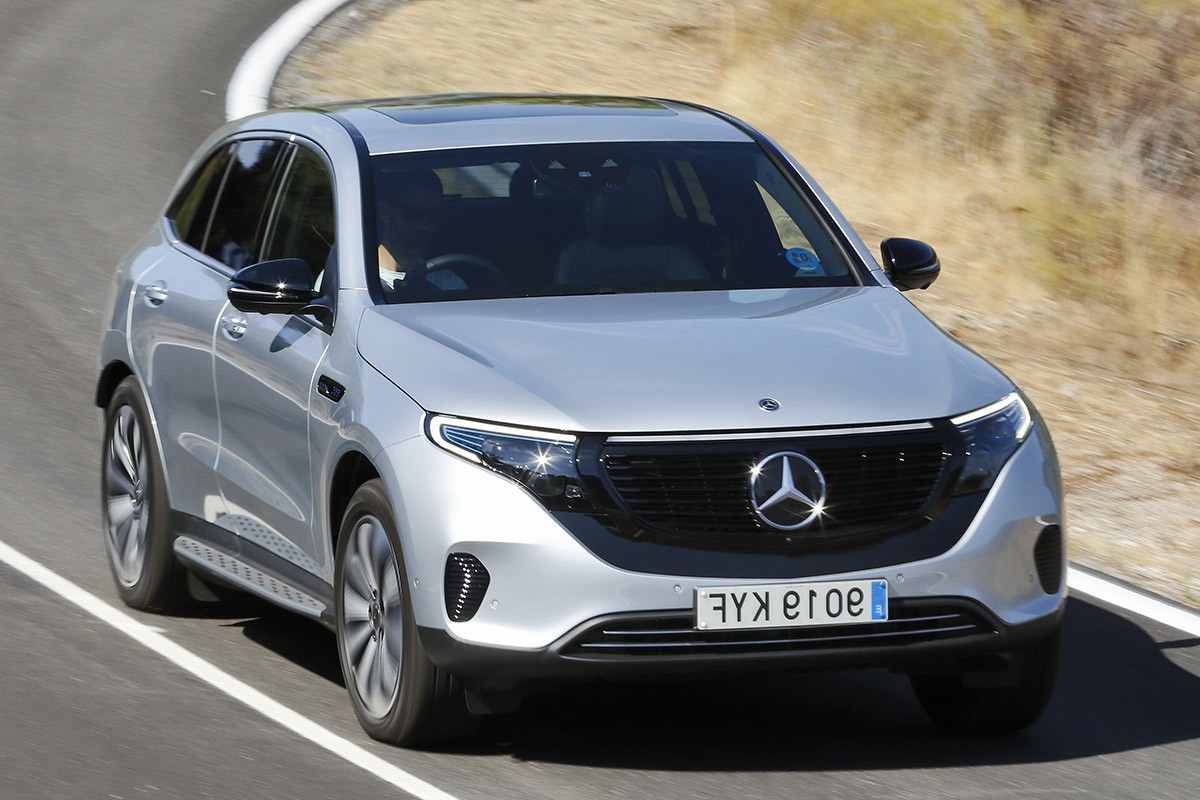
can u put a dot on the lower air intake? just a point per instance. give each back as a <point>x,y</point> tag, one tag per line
<point>651,635</point>
<point>466,583</point>
<point>1048,556</point>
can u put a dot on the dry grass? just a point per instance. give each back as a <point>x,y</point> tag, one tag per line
<point>599,46</point>
<point>1036,143</point>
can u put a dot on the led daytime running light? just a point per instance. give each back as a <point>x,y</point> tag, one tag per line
<point>993,408</point>
<point>458,435</point>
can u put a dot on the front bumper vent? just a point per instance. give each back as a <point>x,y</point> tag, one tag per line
<point>466,583</point>
<point>1048,557</point>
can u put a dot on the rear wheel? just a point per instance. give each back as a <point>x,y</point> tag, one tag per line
<point>135,511</point>
<point>398,694</point>
<point>957,704</point>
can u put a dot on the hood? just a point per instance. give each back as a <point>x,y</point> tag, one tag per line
<point>680,361</point>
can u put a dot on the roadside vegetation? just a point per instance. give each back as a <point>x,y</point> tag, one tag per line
<point>1046,148</point>
<point>1066,132</point>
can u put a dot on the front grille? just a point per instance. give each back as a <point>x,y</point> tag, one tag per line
<point>703,489</point>
<point>647,636</point>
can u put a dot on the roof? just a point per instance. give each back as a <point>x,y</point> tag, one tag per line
<point>480,120</point>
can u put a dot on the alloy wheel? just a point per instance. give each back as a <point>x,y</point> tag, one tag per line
<point>127,496</point>
<point>372,616</point>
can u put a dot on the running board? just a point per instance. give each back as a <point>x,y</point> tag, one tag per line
<point>237,572</point>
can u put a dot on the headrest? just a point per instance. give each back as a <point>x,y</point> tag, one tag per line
<point>394,186</point>
<point>633,212</point>
<point>520,185</point>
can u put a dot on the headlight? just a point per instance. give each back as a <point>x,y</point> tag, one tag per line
<point>541,461</point>
<point>990,434</point>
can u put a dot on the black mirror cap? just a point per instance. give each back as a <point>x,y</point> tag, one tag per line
<point>909,263</point>
<point>281,286</point>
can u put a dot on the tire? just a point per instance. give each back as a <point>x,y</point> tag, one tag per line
<point>135,510</point>
<point>993,710</point>
<point>399,695</point>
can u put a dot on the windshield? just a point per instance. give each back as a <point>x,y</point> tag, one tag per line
<point>594,218</point>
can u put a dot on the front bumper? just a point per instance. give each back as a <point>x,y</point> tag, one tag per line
<point>547,588</point>
<point>928,634</point>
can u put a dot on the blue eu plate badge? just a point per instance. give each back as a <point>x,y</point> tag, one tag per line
<point>879,609</point>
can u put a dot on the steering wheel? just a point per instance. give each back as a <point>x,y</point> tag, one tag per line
<point>470,263</point>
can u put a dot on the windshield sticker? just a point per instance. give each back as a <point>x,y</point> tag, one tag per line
<point>805,261</point>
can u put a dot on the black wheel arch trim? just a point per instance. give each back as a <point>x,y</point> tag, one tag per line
<point>110,377</point>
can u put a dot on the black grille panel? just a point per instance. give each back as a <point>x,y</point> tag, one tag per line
<point>702,489</point>
<point>674,634</point>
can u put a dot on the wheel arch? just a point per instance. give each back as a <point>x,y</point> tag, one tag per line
<point>112,374</point>
<point>353,469</point>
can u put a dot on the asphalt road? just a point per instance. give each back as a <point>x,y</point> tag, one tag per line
<point>100,104</point>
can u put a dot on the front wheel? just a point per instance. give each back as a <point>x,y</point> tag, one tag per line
<point>398,694</point>
<point>135,511</point>
<point>957,706</point>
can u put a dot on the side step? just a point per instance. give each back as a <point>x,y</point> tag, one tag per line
<point>232,569</point>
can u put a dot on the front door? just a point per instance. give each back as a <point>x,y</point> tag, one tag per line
<point>265,371</point>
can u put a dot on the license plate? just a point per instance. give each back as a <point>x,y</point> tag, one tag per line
<point>791,605</point>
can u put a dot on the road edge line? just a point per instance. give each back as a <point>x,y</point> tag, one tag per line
<point>250,87</point>
<point>1134,599</point>
<point>220,680</point>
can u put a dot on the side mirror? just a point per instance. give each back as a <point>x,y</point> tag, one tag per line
<point>910,264</point>
<point>281,286</point>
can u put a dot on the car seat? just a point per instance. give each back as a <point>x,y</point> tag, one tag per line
<point>627,241</point>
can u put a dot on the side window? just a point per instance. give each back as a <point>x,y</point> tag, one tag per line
<point>241,209</point>
<point>302,225</point>
<point>192,208</point>
<point>483,180</point>
<point>695,192</point>
<point>805,243</point>
<point>789,232</point>
<point>685,192</point>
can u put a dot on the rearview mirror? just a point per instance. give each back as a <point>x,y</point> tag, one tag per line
<point>281,286</point>
<point>909,263</point>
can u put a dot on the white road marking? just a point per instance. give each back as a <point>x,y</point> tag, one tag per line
<point>1084,582</point>
<point>220,680</point>
<point>1138,601</point>
<point>251,83</point>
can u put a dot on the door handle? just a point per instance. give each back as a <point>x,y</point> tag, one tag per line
<point>156,293</point>
<point>234,325</point>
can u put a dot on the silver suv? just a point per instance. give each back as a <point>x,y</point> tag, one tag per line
<point>514,390</point>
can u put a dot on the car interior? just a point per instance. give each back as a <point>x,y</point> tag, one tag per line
<point>608,220</point>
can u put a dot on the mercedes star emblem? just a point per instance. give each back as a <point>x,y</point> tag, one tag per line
<point>768,404</point>
<point>787,490</point>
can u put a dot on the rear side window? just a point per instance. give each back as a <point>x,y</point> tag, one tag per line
<point>302,225</point>
<point>686,192</point>
<point>240,216</point>
<point>192,208</point>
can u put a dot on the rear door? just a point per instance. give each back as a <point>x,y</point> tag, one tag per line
<point>171,321</point>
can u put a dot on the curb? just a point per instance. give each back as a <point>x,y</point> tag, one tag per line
<point>250,87</point>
